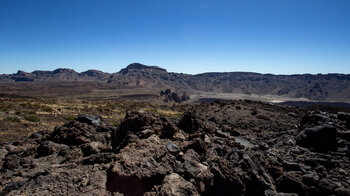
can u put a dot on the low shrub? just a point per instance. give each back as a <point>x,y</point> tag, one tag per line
<point>70,118</point>
<point>32,118</point>
<point>12,119</point>
<point>47,108</point>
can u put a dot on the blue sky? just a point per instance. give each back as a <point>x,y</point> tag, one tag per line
<point>188,36</point>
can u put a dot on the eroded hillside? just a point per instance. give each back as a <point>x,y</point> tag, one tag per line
<point>321,87</point>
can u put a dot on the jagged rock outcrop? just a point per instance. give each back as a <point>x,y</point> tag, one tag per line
<point>72,160</point>
<point>233,148</point>
<point>169,95</point>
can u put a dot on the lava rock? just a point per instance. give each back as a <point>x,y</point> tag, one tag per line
<point>169,95</point>
<point>291,183</point>
<point>136,122</point>
<point>99,158</point>
<point>89,119</point>
<point>77,133</point>
<point>175,185</point>
<point>172,147</point>
<point>319,138</point>
<point>12,162</point>
<point>92,148</point>
<point>48,147</point>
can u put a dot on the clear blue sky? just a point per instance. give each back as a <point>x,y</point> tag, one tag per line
<point>188,36</point>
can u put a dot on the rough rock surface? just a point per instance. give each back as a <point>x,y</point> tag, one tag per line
<point>169,95</point>
<point>55,163</point>
<point>233,148</point>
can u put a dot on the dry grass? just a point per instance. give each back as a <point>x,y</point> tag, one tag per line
<point>22,116</point>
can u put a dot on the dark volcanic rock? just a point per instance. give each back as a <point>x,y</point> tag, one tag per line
<point>203,155</point>
<point>319,138</point>
<point>139,166</point>
<point>140,122</point>
<point>292,183</point>
<point>77,133</point>
<point>53,163</point>
<point>89,119</point>
<point>12,162</point>
<point>48,147</point>
<point>169,95</point>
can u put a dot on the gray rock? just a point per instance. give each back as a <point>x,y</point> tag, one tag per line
<point>172,147</point>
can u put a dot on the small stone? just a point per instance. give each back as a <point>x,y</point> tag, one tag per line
<point>179,136</point>
<point>3,153</point>
<point>172,147</point>
<point>206,139</point>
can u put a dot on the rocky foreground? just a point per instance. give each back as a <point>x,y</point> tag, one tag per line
<point>234,148</point>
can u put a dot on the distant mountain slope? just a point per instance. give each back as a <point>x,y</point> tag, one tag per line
<point>56,75</point>
<point>321,87</point>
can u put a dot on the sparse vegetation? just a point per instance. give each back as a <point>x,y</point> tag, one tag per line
<point>32,118</point>
<point>70,118</point>
<point>115,123</point>
<point>46,113</point>
<point>12,119</point>
<point>47,108</point>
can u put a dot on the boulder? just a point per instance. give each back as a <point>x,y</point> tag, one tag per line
<point>192,122</point>
<point>169,95</point>
<point>92,148</point>
<point>291,183</point>
<point>89,119</point>
<point>77,133</point>
<point>319,138</point>
<point>175,185</point>
<point>140,165</point>
<point>48,147</point>
<point>191,164</point>
<point>12,162</point>
<point>142,125</point>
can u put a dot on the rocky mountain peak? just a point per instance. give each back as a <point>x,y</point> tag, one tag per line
<point>139,66</point>
<point>20,72</point>
<point>93,72</point>
<point>63,70</point>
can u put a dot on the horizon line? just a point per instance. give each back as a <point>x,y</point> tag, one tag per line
<point>215,72</point>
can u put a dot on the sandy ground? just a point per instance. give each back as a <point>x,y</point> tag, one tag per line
<point>200,96</point>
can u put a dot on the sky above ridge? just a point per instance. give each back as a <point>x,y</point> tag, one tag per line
<point>186,36</point>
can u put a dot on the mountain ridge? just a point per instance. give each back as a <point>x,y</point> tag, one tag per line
<point>319,87</point>
<point>149,67</point>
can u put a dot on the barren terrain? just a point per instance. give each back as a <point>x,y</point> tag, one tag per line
<point>136,132</point>
<point>231,148</point>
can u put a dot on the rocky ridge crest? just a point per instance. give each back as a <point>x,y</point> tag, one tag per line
<point>321,87</point>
